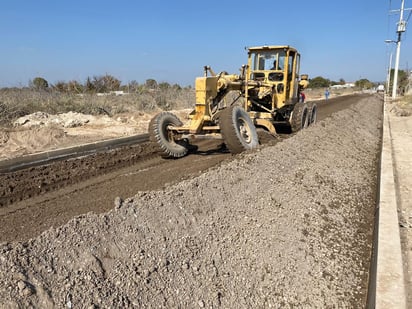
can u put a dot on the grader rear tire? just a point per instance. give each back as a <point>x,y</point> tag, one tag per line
<point>313,115</point>
<point>238,131</point>
<point>164,139</point>
<point>300,117</point>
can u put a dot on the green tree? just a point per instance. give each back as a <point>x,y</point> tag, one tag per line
<point>164,85</point>
<point>60,86</point>
<point>177,87</point>
<point>363,84</point>
<point>403,78</point>
<point>151,83</point>
<point>89,86</point>
<point>106,83</point>
<point>74,86</point>
<point>39,83</point>
<point>131,87</point>
<point>319,82</point>
<point>402,81</point>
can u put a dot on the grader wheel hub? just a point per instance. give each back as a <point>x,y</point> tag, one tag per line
<point>245,130</point>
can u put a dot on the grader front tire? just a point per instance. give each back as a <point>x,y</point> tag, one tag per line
<point>163,138</point>
<point>238,131</point>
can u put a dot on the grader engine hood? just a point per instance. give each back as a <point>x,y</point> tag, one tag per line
<point>206,89</point>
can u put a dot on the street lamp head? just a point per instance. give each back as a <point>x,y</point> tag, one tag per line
<point>390,41</point>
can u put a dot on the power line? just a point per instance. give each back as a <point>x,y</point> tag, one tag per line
<point>410,12</point>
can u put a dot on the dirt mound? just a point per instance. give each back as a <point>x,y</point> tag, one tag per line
<point>18,142</point>
<point>286,226</point>
<point>40,131</point>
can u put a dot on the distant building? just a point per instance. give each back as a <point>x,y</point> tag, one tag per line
<point>344,86</point>
<point>116,93</point>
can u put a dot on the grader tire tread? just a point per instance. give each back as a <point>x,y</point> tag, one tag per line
<point>238,131</point>
<point>159,135</point>
<point>313,114</point>
<point>299,119</point>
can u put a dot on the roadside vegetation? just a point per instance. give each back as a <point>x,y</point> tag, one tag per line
<point>98,95</point>
<point>406,102</point>
<point>106,94</point>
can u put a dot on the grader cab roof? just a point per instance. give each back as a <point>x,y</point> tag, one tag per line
<point>270,47</point>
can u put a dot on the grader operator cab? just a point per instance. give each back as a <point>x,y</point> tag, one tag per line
<point>265,95</point>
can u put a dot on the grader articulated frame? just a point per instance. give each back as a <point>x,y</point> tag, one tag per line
<point>265,95</point>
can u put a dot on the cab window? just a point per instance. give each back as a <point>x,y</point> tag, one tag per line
<point>268,60</point>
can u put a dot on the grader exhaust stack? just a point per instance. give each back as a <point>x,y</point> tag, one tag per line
<point>231,107</point>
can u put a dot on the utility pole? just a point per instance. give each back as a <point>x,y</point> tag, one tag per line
<point>401,29</point>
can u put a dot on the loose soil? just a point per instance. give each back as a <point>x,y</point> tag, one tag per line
<point>288,225</point>
<point>55,193</point>
<point>43,132</point>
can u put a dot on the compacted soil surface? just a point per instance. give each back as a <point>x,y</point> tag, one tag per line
<point>288,225</point>
<point>52,194</point>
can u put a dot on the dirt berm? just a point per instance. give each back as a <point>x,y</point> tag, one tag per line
<point>286,226</point>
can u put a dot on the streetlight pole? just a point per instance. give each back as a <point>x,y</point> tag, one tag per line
<point>400,30</point>
<point>388,79</point>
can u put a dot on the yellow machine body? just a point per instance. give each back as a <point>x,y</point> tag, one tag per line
<point>267,88</point>
<point>278,67</point>
<point>233,106</point>
<point>269,82</point>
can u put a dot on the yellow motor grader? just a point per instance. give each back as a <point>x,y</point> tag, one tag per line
<point>264,96</point>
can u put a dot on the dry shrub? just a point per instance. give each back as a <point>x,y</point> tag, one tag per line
<point>407,100</point>
<point>406,105</point>
<point>18,102</point>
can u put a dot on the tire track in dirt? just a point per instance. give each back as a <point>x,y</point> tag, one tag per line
<point>287,226</point>
<point>51,195</point>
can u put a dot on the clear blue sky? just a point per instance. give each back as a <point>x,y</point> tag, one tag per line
<point>171,41</point>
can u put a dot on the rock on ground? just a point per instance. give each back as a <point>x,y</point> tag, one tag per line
<point>286,226</point>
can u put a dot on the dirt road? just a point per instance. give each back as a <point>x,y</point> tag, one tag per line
<point>52,195</point>
<point>285,226</point>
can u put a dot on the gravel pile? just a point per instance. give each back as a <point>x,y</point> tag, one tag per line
<point>286,226</point>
